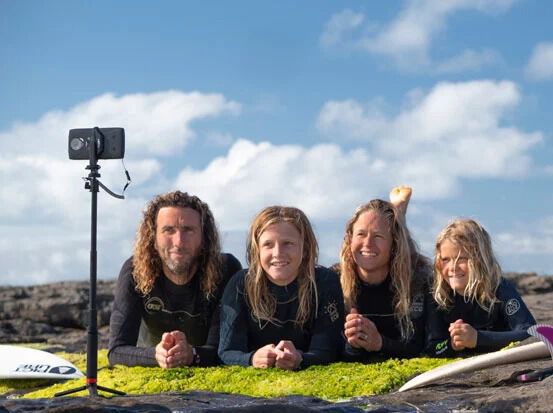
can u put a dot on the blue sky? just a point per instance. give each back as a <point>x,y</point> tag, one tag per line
<point>317,104</point>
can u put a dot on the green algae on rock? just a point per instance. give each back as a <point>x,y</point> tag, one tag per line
<point>333,382</point>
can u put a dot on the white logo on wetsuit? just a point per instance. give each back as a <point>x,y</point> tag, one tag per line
<point>417,304</point>
<point>513,305</point>
<point>332,310</point>
<point>154,305</point>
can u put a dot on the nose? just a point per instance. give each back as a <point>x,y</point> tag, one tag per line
<point>452,267</point>
<point>277,249</point>
<point>368,241</point>
<point>179,238</point>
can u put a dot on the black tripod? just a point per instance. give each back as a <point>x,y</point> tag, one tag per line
<point>92,183</point>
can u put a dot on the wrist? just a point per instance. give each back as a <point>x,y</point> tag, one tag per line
<point>195,357</point>
<point>300,359</point>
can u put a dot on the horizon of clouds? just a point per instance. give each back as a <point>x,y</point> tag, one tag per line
<point>43,189</point>
<point>407,40</point>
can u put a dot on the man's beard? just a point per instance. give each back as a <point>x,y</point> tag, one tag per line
<point>182,267</point>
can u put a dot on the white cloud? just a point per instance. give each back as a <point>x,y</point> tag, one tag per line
<point>408,38</point>
<point>339,26</point>
<point>456,130</point>
<point>468,60</point>
<point>322,180</point>
<point>155,124</point>
<point>540,65</point>
<point>529,238</point>
<point>453,131</point>
<point>45,211</point>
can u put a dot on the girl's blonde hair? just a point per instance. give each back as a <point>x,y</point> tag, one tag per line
<point>404,260</point>
<point>484,273</point>
<point>262,303</point>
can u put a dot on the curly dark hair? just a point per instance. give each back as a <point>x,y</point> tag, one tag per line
<point>146,260</point>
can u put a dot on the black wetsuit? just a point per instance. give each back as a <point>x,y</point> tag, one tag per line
<point>507,322</point>
<point>319,339</point>
<point>138,322</point>
<point>376,302</point>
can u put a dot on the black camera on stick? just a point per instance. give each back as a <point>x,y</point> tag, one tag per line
<point>110,143</point>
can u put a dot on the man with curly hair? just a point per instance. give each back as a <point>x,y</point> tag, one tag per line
<point>166,307</point>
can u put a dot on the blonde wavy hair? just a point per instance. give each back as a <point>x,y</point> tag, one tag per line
<point>484,269</point>
<point>262,303</point>
<point>404,259</point>
<point>146,260</point>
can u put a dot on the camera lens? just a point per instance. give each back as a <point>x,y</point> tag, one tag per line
<point>77,143</point>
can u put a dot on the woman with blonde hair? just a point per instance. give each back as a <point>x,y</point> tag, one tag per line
<point>284,311</point>
<point>475,308</point>
<point>384,280</point>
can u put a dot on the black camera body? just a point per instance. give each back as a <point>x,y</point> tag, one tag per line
<point>110,143</point>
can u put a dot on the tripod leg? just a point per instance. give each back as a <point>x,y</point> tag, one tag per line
<point>71,391</point>
<point>108,390</point>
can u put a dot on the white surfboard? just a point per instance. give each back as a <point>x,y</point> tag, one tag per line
<point>27,363</point>
<point>512,355</point>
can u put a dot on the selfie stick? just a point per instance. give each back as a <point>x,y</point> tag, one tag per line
<point>92,337</point>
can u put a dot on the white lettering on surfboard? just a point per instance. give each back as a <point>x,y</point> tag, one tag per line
<point>44,368</point>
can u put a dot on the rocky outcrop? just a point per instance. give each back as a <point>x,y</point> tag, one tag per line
<point>57,314</point>
<point>50,312</point>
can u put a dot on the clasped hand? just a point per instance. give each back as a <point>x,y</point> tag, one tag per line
<point>362,332</point>
<point>173,350</point>
<point>462,335</point>
<point>284,356</point>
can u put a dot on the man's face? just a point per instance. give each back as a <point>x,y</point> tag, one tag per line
<point>178,240</point>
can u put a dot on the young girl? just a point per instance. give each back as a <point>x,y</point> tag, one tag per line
<point>385,282</point>
<point>475,309</point>
<point>284,311</point>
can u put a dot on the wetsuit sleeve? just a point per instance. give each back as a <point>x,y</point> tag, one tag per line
<point>326,338</point>
<point>515,315</point>
<point>207,354</point>
<point>233,343</point>
<point>124,324</point>
<point>437,342</point>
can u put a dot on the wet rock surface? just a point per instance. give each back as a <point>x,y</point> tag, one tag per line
<point>56,314</point>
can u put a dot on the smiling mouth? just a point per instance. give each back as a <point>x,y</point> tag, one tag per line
<point>279,264</point>
<point>367,254</point>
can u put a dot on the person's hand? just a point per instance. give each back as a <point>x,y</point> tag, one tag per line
<point>462,335</point>
<point>173,350</point>
<point>399,198</point>
<point>287,357</point>
<point>362,332</point>
<point>264,357</point>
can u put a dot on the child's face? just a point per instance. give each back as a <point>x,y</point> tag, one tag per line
<point>280,252</point>
<point>454,266</point>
